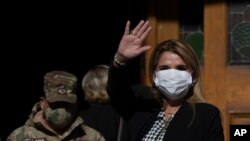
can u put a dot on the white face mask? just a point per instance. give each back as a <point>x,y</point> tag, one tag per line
<point>174,84</point>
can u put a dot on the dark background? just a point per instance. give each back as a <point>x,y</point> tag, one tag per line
<point>40,37</point>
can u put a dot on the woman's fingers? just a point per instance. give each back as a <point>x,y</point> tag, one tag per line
<point>143,29</point>
<point>137,28</point>
<point>145,34</point>
<point>126,32</point>
<point>143,49</point>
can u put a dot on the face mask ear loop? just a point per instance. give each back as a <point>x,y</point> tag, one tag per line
<point>193,81</point>
<point>155,73</point>
<point>43,103</point>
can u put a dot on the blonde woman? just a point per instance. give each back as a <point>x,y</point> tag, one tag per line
<point>100,115</point>
<point>181,114</point>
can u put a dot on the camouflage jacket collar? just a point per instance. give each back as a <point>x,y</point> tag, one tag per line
<point>36,120</point>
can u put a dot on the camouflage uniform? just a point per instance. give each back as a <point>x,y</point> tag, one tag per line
<point>58,86</point>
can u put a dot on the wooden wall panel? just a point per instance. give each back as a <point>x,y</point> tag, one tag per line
<point>163,17</point>
<point>225,86</point>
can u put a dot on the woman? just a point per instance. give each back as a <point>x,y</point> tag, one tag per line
<point>100,114</point>
<point>177,112</point>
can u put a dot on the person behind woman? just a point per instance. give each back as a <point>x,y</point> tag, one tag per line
<point>100,115</point>
<point>181,113</point>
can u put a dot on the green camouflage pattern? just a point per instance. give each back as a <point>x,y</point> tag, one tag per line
<point>60,86</point>
<point>35,130</point>
<point>58,117</point>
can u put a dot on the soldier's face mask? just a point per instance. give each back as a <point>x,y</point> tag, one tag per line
<point>59,115</point>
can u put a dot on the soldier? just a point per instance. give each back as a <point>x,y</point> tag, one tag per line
<point>55,117</point>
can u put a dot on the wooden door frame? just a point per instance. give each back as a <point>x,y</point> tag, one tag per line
<point>163,18</point>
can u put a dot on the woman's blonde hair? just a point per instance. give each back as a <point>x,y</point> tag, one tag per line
<point>94,84</point>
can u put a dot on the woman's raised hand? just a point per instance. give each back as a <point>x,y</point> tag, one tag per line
<point>131,44</point>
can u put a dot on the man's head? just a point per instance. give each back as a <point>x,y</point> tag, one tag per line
<point>60,103</point>
<point>60,86</point>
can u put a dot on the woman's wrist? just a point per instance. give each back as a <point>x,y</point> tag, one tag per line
<point>119,60</point>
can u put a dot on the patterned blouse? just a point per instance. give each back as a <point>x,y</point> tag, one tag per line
<point>158,130</point>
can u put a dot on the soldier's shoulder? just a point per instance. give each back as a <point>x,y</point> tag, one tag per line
<point>21,133</point>
<point>17,134</point>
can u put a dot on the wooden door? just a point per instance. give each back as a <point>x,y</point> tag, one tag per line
<point>225,85</point>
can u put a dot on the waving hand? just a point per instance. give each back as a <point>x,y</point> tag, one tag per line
<point>131,44</point>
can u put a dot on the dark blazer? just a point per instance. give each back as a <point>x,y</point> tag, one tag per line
<point>136,105</point>
<point>103,118</point>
